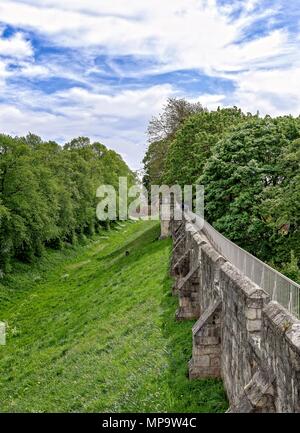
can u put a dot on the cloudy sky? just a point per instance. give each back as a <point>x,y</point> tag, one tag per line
<point>102,68</point>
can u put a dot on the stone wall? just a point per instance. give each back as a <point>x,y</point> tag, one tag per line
<point>280,355</point>
<point>243,302</point>
<point>251,343</point>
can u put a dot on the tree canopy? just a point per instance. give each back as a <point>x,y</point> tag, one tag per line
<point>250,169</point>
<point>48,192</point>
<point>246,172</point>
<point>192,144</point>
<point>161,132</point>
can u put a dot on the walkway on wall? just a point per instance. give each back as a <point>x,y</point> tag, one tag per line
<point>280,288</point>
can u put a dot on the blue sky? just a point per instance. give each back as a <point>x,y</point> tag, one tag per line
<point>103,68</point>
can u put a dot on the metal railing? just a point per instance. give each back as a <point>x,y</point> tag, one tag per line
<point>278,286</point>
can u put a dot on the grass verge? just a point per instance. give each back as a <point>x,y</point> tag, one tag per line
<point>92,329</point>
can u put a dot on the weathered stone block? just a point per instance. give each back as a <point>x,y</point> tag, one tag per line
<point>202,360</point>
<point>251,313</point>
<point>215,361</point>
<point>253,325</point>
<point>205,361</point>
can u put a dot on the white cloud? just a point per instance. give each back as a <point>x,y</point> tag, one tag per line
<point>15,46</point>
<point>118,121</point>
<point>169,35</point>
<point>126,104</point>
<point>274,92</point>
<point>211,101</point>
<point>196,33</point>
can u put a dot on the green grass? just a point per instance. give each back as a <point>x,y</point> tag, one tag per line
<point>92,330</point>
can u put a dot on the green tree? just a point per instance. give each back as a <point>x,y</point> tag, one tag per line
<point>194,141</point>
<point>244,167</point>
<point>154,163</point>
<point>280,205</point>
<point>161,131</point>
<point>48,193</point>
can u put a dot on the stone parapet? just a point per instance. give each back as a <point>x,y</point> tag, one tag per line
<point>251,343</point>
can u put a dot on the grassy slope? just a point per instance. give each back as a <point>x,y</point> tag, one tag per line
<point>93,330</point>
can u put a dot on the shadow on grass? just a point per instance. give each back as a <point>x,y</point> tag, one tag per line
<point>188,395</point>
<point>140,243</point>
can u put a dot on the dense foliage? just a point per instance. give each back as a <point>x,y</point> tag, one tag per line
<point>193,143</point>
<point>250,168</point>
<point>48,193</point>
<point>246,181</point>
<point>161,131</point>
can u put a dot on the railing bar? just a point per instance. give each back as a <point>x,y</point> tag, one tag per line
<point>250,255</point>
<point>277,285</point>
